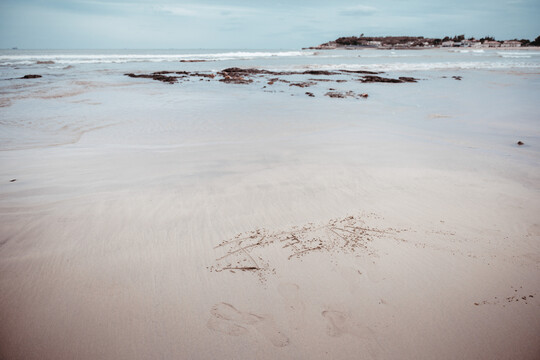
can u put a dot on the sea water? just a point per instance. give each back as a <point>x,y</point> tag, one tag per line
<point>464,98</point>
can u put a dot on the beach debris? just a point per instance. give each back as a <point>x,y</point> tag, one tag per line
<point>520,143</point>
<point>246,251</point>
<point>31,76</point>
<point>12,180</point>
<point>343,95</point>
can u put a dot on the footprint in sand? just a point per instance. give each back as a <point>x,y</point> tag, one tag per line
<point>227,319</point>
<point>294,304</point>
<point>226,327</point>
<point>340,323</point>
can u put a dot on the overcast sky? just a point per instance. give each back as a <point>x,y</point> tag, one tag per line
<point>253,24</point>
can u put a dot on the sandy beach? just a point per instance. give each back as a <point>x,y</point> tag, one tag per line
<point>205,220</point>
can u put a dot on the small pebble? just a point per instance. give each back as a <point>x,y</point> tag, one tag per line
<point>520,143</point>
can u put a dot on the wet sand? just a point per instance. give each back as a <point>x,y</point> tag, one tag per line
<point>185,224</point>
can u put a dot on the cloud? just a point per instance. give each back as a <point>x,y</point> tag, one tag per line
<point>358,10</point>
<point>206,11</point>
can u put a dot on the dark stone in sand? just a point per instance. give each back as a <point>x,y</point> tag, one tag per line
<point>30,76</point>
<point>456,77</point>
<point>12,180</point>
<point>374,79</point>
<point>337,95</point>
<point>192,61</point>
<point>156,76</point>
<point>520,143</point>
<point>49,62</point>
<point>310,94</point>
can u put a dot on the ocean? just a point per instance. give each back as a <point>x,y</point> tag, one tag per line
<point>74,82</point>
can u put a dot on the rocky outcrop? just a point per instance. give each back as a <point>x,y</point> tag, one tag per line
<point>31,76</point>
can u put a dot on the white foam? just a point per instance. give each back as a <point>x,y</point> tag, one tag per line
<point>426,66</point>
<point>68,59</point>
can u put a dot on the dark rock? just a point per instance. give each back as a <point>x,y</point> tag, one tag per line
<point>31,76</point>
<point>319,72</point>
<point>364,95</point>
<point>310,94</point>
<point>407,79</point>
<point>335,95</point>
<point>193,61</point>
<point>235,79</point>
<point>156,76</point>
<point>251,71</point>
<point>361,72</point>
<point>211,76</point>
<point>322,80</point>
<point>456,77</point>
<point>520,143</point>
<point>12,180</point>
<point>304,84</point>
<point>49,62</point>
<point>374,79</point>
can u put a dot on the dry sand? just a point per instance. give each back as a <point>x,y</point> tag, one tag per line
<point>360,246</point>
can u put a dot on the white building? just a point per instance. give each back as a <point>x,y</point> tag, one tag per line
<point>492,44</point>
<point>511,43</point>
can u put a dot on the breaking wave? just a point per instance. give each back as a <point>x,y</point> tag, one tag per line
<point>70,59</point>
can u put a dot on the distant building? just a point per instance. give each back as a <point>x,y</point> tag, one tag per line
<point>374,43</point>
<point>447,44</point>
<point>492,44</point>
<point>511,43</point>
